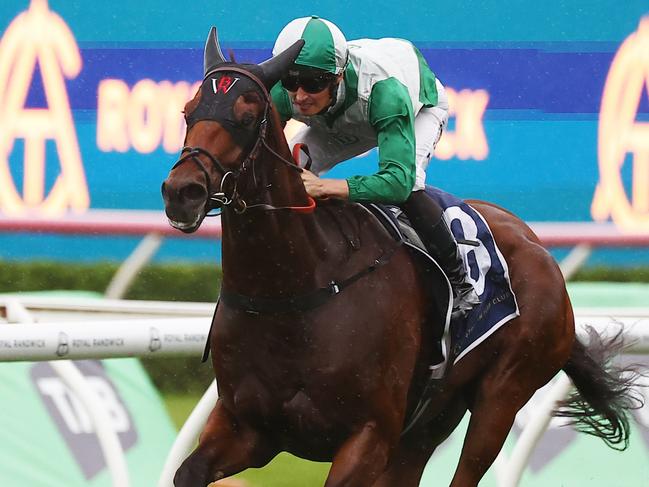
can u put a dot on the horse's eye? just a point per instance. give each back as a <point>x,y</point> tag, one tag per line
<point>251,97</point>
<point>247,119</point>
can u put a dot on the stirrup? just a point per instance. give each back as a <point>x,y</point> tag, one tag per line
<point>464,300</point>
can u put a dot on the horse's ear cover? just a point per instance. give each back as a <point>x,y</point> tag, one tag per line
<point>276,67</point>
<point>212,54</point>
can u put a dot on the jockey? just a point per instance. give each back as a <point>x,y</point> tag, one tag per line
<point>357,95</point>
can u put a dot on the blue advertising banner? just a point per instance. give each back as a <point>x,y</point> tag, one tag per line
<point>549,104</point>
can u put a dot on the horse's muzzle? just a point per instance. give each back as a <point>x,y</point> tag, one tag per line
<point>185,205</point>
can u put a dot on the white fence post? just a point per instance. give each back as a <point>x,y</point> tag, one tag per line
<point>127,272</point>
<point>574,260</point>
<point>106,434</point>
<point>534,430</point>
<point>188,435</point>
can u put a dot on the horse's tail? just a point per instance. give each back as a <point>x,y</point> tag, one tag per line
<point>604,394</point>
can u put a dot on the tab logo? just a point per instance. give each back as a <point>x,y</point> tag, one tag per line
<point>620,133</point>
<point>39,37</point>
<point>73,420</point>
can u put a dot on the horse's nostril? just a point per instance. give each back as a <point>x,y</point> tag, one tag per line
<point>193,192</point>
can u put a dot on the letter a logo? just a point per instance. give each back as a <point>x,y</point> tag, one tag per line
<point>620,133</point>
<point>39,36</point>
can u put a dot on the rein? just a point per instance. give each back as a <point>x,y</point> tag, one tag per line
<point>303,302</point>
<point>222,198</point>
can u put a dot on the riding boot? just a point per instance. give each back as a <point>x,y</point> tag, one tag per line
<point>425,215</point>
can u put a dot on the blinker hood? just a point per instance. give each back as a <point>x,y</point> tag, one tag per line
<point>220,89</point>
<point>271,70</point>
<point>219,93</point>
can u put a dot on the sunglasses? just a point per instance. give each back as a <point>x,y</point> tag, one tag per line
<point>309,83</point>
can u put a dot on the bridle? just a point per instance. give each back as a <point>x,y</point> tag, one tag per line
<point>222,198</point>
<point>232,199</point>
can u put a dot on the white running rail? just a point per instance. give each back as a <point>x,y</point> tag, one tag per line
<point>151,332</point>
<point>607,322</point>
<point>99,416</point>
<point>188,435</point>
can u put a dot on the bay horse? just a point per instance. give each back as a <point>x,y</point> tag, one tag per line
<point>324,333</point>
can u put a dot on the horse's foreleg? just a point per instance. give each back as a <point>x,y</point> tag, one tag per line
<point>361,459</point>
<point>225,447</point>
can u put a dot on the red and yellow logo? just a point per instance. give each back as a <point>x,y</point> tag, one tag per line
<point>39,36</point>
<point>620,134</point>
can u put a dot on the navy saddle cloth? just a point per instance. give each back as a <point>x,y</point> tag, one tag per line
<point>486,268</point>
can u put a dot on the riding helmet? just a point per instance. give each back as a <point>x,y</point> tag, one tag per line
<point>325,45</point>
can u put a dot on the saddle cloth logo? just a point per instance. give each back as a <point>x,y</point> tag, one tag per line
<point>39,37</point>
<point>488,272</point>
<point>621,133</point>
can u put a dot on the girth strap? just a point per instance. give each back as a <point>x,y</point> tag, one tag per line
<point>304,302</point>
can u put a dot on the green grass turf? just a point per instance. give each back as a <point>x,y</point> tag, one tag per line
<point>284,471</point>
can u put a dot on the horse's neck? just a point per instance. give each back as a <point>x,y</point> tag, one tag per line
<point>262,248</point>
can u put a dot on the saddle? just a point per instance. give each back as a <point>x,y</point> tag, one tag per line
<point>459,335</point>
<point>397,224</point>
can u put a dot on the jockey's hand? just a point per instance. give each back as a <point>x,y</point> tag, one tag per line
<point>324,188</point>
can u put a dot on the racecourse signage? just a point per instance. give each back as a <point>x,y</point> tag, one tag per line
<point>48,437</point>
<point>142,116</point>
<point>55,51</point>
<point>468,140</point>
<point>73,421</point>
<point>621,133</point>
<point>554,128</point>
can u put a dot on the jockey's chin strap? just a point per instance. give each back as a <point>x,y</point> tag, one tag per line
<point>228,195</point>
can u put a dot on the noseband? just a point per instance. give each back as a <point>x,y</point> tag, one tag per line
<point>218,197</point>
<point>223,198</point>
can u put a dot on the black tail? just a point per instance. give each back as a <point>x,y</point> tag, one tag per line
<point>604,394</point>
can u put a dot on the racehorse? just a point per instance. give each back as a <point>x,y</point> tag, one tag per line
<point>326,327</point>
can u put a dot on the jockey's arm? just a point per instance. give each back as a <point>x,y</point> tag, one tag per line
<point>391,115</point>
